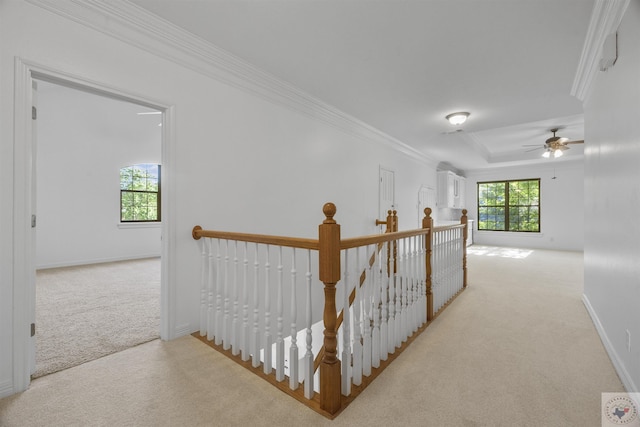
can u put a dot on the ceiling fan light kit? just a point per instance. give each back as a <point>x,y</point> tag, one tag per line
<point>556,145</point>
<point>457,118</point>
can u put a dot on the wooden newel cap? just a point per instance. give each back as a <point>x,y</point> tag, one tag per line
<point>329,210</point>
<point>195,232</point>
<point>427,211</point>
<point>464,212</point>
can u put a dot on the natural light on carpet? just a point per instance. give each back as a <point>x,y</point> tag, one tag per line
<point>499,252</point>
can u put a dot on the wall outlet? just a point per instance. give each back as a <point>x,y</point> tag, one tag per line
<point>628,341</point>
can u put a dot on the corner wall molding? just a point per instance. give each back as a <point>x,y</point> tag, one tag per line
<point>605,19</point>
<point>135,26</point>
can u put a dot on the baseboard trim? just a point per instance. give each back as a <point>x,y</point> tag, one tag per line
<point>95,261</point>
<point>183,330</point>
<point>621,370</point>
<point>6,388</point>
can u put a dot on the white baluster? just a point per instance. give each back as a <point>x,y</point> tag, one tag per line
<point>235,340</point>
<point>280,324</point>
<point>403,273</point>
<point>413,285</point>
<point>293,350</point>
<point>357,336</point>
<point>246,338</point>
<point>366,314</point>
<point>346,333</point>
<point>398,284</point>
<point>219,301</point>
<point>308,357</point>
<point>211,285</point>
<point>226,325</point>
<point>203,288</point>
<point>384,300</point>
<point>391,296</point>
<point>376,290</point>
<point>268,343</point>
<point>421,284</point>
<point>255,336</point>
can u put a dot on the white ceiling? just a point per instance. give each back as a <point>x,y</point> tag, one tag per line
<point>402,65</point>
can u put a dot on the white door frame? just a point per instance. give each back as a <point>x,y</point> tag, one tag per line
<point>23,250</point>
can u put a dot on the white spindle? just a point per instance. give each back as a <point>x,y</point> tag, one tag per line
<point>384,303</point>
<point>268,343</point>
<point>366,315</point>
<point>280,324</point>
<point>293,350</point>
<point>346,335</point>
<point>203,288</point>
<point>211,285</point>
<point>391,297</point>
<point>226,325</point>
<point>397,280</point>
<point>376,291</point>
<point>255,336</point>
<point>219,289</point>
<point>246,338</point>
<point>404,273</point>
<point>357,335</point>
<point>308,357</point>
<point>235,341</point>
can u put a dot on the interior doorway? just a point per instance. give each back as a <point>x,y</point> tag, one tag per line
<point>83,139</point>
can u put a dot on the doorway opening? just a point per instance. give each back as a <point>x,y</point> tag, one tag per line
<point>98,290</point>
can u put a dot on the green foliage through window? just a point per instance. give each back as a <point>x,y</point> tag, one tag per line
<point>509,205</point>
<point>140,193</point>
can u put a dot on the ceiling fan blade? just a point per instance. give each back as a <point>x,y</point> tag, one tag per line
<point>579,141</point>
<point>532,149</point>
<point>532,145</point>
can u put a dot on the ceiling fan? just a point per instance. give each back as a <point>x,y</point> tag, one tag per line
<point>554,145</point>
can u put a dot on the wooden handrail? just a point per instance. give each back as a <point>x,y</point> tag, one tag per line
<point>292,242</point>
<point>355,242</point>
<point>448,227</point>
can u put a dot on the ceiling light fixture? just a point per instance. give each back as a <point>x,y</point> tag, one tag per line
<point>457,118</point>
<point>556,153</point>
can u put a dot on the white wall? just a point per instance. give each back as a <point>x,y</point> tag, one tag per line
<point>240,158</point>
<point>83,141</point>
<point>612,202</point>
<point>561,201</point>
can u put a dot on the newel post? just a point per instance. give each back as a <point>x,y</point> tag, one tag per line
<point>427,222</point>
<point>329,264</point>
<point>465,234</point>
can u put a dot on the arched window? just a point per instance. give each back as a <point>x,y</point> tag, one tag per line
<point>140,193</point>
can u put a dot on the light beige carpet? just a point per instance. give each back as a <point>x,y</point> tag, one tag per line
<point>517,348</point>
<point>86,312</point>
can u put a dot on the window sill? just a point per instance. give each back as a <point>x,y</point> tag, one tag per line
<point>129,225</point>
<point>535,234</point>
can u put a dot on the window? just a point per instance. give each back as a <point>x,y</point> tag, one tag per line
<point>140,193</point>
<point>509,205</point>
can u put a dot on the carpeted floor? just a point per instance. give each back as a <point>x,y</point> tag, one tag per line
<point>517,348</point>
<point>89,311</point>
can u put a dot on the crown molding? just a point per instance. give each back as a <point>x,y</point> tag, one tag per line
<point>605,19</point>
<point>136,26</point>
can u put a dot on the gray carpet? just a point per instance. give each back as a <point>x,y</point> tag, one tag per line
<point>86,312</point>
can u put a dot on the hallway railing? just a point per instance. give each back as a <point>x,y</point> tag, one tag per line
<point>260,304</point>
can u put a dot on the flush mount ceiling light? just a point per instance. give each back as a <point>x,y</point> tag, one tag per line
<point>457,118</point>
